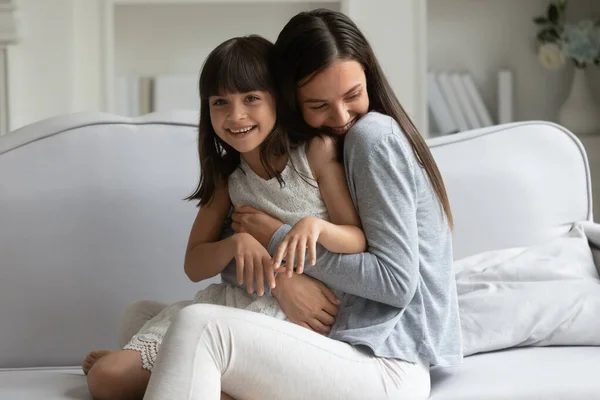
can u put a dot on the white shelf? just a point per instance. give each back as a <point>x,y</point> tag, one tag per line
<point>179,2</point>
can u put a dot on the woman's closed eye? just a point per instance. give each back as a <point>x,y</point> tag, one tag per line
<point>320,107</point>
<point>353,96</point>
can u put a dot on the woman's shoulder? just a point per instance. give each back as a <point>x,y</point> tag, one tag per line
<point>372,130</point>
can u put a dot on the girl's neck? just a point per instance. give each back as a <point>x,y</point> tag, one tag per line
<point>252,158</point>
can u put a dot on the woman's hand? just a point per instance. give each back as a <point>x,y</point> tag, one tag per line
<point>304,234</point>
<point>257,223</point>
<point>253,262</point>
<point>306,302</point>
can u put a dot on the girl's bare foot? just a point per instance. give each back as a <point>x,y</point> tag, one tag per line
<point>91,359</point>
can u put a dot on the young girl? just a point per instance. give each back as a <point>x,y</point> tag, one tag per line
<point>246,159</point>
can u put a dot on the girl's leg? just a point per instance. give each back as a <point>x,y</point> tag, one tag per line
<point>118,375</point>
<point>135,316</point>
<point>252,356</point>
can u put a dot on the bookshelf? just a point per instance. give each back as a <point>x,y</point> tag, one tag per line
<point>484,37</point>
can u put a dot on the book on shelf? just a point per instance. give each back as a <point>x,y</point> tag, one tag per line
<point>483,114</point>
<point>455,103</point>
<point>452,100</point>
<point>464,102</point>
<point>438,107</point>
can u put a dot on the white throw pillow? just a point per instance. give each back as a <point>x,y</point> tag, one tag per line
<point>537,296</point>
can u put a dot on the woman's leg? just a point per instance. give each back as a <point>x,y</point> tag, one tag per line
<point>252,356</point>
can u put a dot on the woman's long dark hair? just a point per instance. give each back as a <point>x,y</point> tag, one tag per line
<point>238,65</point>
<point>309,43</point>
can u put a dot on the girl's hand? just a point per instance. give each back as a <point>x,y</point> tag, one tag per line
<point>304,234</point>
<point>257,223</point>
<point>253,262</point>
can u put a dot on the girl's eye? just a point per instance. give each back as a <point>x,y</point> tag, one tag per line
<point>321,107</point>
<point>252,98</point>
<point>219,102</point>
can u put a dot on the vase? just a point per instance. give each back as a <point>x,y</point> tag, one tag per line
<point>579,113</point>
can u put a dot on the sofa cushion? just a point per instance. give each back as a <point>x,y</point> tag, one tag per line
<point>43,383</point>
<point>549,373</point>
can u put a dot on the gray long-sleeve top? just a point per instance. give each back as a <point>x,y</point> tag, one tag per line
<point>399,298</point>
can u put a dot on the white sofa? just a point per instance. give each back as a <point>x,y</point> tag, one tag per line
<point>92,219</point>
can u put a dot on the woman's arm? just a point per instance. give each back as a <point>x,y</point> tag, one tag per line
<point>381,176</point>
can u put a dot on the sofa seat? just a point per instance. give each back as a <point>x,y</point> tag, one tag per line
<point>548,373</point>
<point>43,383</point>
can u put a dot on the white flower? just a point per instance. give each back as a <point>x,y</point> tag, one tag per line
<point>551,56</point>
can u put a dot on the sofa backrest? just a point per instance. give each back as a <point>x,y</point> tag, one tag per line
<point>513,185</point>
<point>92,217</point>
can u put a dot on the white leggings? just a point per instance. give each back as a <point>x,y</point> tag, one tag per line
<point>211,348</point>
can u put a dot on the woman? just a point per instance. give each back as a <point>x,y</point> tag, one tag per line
<point>398,313</point>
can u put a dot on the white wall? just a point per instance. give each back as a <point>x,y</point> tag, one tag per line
<point>186,33</point>
<point>485,35</point>
<point>54,67</point>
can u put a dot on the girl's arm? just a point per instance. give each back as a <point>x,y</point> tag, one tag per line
<point>343,234</point>
<point>206,256</point>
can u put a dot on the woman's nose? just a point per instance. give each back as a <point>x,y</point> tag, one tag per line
<point>339,116</point>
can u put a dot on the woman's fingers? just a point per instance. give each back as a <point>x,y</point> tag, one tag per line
<point>326,318</point>
<point>317,326</point>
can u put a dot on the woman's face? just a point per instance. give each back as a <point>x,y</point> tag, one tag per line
<point>335,98</point>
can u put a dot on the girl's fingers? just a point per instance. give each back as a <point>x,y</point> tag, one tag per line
<point>301,252</point>
<point>249,267</point>
<point>281,251</point>
<point>239,268</point>
<point>291,256</point>
<point>312,250</point>
<point>259,276</point>
<point>269,273</point>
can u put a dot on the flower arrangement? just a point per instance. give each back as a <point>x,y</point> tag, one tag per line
<point>559,41</point>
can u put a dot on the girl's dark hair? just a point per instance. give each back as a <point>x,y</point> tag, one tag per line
<point>237,65</point>
<point>313,40</point>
